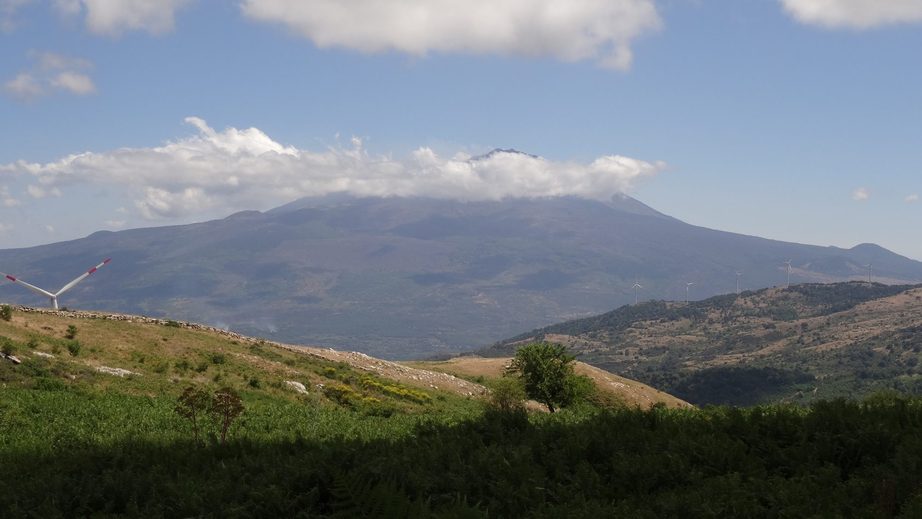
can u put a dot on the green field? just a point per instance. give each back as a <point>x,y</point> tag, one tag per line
<point>75,442</point>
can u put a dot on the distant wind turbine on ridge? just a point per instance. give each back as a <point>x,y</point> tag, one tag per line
<point>738,274</point>
<point>788,263</point>
<point>54,296</point>
<point>635,287</point>
<point>869,272</point>
<point>687,285</point>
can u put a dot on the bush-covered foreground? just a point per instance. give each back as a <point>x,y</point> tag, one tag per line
<point>832,459</point>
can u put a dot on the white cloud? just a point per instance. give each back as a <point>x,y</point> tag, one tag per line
<point>861,194</point>
<point>911,199</point>
<point>856,14</point>
<point>245,169</point>
<point>6,199</point>
<point>5,228</point>
<point>74,82</point>
<point>24,86</point>
<point>51,72</point>
<point>42,192</point>
<point>49,229</point>
<point>570,30</point>
<point>117,224</point>
<point>8,9</point>
<point>115,17</point>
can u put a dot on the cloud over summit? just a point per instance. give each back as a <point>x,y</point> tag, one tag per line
<point>237,169</point>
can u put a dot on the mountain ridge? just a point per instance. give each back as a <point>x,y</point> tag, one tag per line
<point>415,277</point>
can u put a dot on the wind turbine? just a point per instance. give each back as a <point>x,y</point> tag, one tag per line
<point>635,287</point>
<point>869,272</point>
<point>738,274</point>
<point>788,263</point>
<point>54,297</point>
<point>687,285</point>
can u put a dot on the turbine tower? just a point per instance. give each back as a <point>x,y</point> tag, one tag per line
<point>738,274</point>
<point>635,287</point>
<point>687,285</point>
<point>788,263</point>
<point>54,297</point>
<point>869,272</point>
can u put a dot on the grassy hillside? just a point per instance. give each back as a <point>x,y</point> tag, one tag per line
<point>801,344</point>
<point>123,378</point>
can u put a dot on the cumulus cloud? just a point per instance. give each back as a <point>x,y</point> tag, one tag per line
<point>861,194</point>
<point>51,73</point>
<point>115,17</point>
<point>856,14</point>
<point>246,169</point>
<point>8,9</point>
<point>6,199</point>
<point>911,199</point>
<point>571,30</point>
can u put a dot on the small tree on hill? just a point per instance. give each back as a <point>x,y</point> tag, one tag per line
<point>226,406</point>
<point>193,403</point>
<point>546,370</point>
<point>6,312</point>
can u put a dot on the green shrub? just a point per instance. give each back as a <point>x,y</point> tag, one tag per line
<point>7,346</point>
<point>507,394</point>
<point>74,347</point>
<point>71,332</point>
<point>6,312</point>
<point>342,395</point>
<point>218,358</point>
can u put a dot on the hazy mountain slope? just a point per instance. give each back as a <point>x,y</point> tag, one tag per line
<point>806,342</point>
<point>404,278</point>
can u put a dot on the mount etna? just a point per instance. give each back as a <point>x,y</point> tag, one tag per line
<point>416,277</point>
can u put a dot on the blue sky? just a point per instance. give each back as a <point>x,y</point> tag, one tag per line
<point>798,120</point>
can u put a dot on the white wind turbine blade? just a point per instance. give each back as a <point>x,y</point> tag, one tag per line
<point>80,278</point>
<point>30,286</point>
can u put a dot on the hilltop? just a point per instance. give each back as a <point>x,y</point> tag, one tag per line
<point>403,278</point>
<point>148,356</point>
<point>802,343</point>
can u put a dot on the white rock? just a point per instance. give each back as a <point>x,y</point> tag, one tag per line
<point>118,372</point>
<point>296,386</point>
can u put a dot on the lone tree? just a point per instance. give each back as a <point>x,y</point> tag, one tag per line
<point>192,405</point>
<point>546,370</point>
<point>226,406</point>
